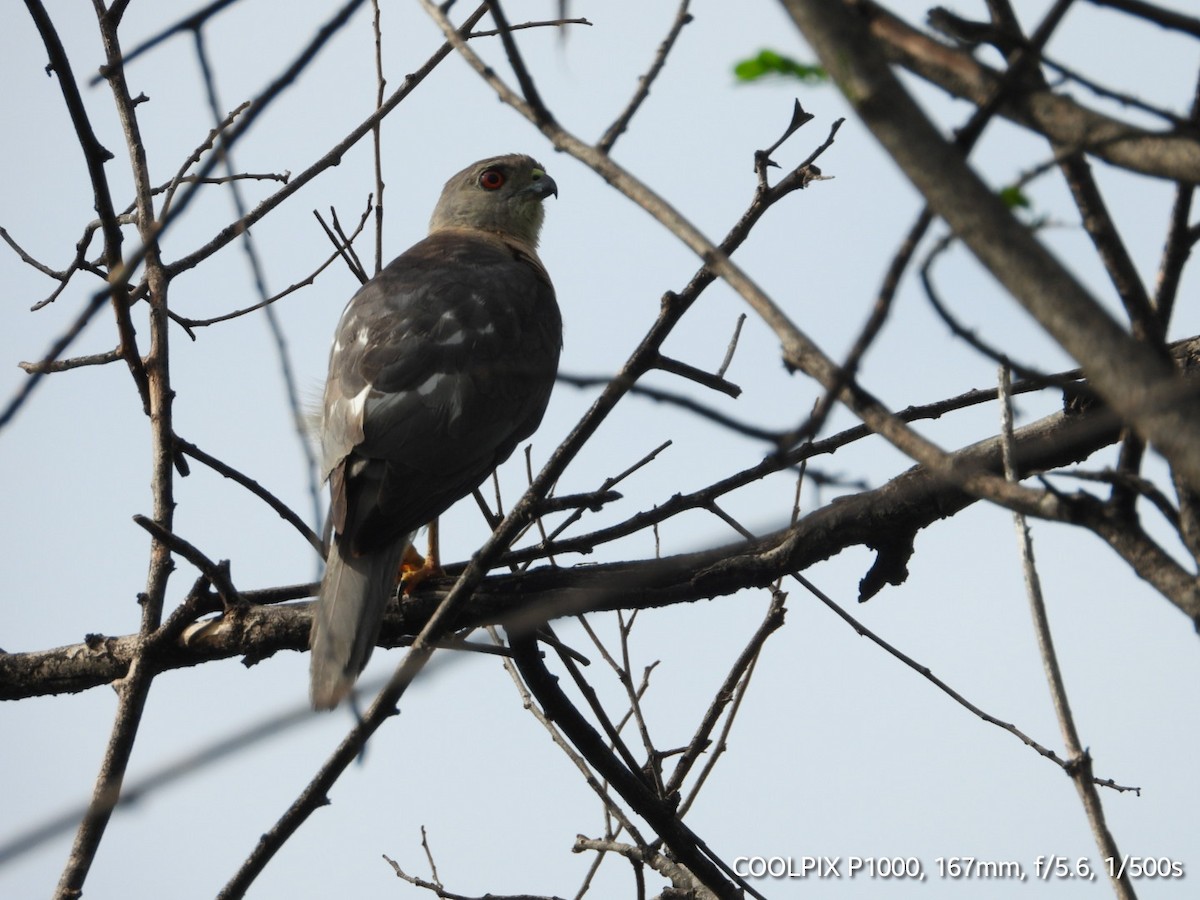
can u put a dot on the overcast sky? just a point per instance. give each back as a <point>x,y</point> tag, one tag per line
<point>839,750</point>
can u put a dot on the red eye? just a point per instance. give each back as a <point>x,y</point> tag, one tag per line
<point>491,179</point>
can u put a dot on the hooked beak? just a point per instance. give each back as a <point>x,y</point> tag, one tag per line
<point>543,185</point>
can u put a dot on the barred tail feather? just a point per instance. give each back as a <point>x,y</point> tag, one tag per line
<point>346,619</point>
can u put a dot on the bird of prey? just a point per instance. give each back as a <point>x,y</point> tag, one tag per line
<point>440,365</point>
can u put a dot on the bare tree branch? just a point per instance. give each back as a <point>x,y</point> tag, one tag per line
<point>1078,760</point>
<point>1134,379</point>
<point>621,123</point>
<point>1169,154</point>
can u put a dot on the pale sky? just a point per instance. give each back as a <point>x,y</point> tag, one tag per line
<point>839,750</point>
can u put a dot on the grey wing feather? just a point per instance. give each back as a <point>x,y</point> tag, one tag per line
<point>447,360</point>
<point>442,364</point>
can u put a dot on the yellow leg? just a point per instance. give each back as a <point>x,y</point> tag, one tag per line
<point>414,569</point>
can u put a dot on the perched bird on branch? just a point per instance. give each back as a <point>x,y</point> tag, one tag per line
<point>440,365</point>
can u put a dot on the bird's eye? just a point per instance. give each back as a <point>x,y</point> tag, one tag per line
<point>491,179</point>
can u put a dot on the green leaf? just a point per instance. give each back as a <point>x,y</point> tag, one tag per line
<point>768,62</point>
<point>1014,198</point>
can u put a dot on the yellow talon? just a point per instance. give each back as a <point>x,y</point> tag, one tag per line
<point>415,568</point>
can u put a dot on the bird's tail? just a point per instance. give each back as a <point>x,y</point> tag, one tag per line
<point>346,618</point>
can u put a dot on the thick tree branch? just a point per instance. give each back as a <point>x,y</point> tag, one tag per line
<point>798,349</point>
<point>684,844</point>
<point>908,503</point>
<point>158,398</point>
<point>95,157</point>
<point>1135,380</point>
<point>1174,155</point>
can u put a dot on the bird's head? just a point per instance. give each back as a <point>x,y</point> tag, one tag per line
<point>502,195</point>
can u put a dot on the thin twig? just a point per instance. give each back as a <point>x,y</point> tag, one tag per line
<point>283,356</point>
<point>433,873</point>
<point>954,695</point>
<point>331,158</point>
<point>533,97</point>
<point>216,572</point>
<point>63,365</point>
<point>799,350</point>
<point>544,23</point>
<point>609,483</point>
<point>1152,12</point>
<point>609,802</point>
<point>960,331</point>
<point>285,512</point>
<point>965,139</point>
<point>621,123</point>
<point>1134,485</point>
<point>593,501</point>
<point>680,503</point>
<point>624,673</point>
<point>775,438</point>
<point>29,260</point>
<point>189,324</point>
<point>683,370</point>
<point>1079,763</point>
<point>616,742</point>
<point>153,378</point>
<point>731,690</point>
<point>713,756</point>
<point>377,136</point>
<point>191,22</point>
<point>732,348</point>
<point>95,157</point>
<point>210,141</point>
<point>257,107</point>
<point>344,250</point>
<point>687,848</point>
